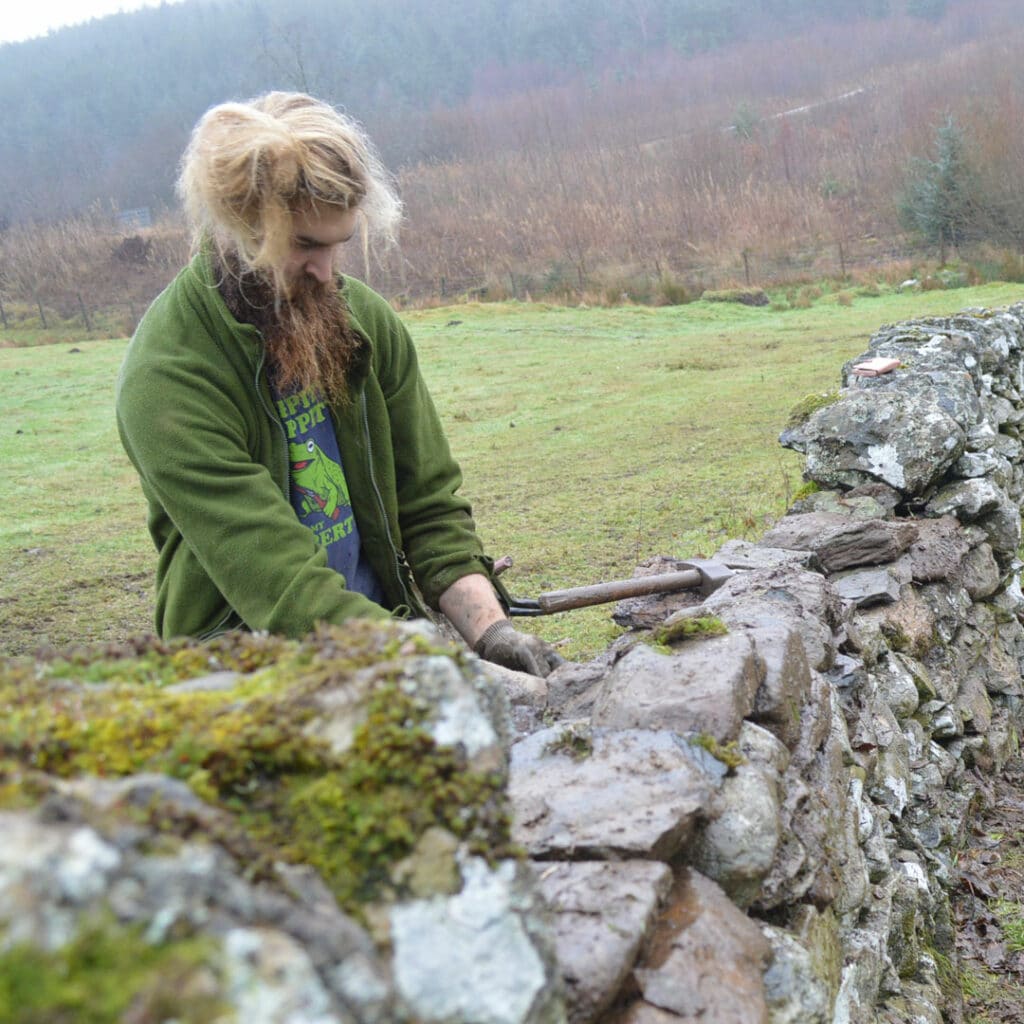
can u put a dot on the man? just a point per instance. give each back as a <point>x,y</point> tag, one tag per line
<point>293,461</point>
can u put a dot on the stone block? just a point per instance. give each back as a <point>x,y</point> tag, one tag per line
<point>841,542</point>
<point>601,914</point>
<point>609,793</point>
<point>707,958</point>
<point>704,686</point>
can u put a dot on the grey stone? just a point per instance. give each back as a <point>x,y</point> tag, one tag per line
<point>711,965</point>
<point>803,600</point>
<point>864,587</point>
<point>905,440</point>
<point>980,575</point>
<point>938,549</point>
<point>737,848</point>
<point>985,464</point>
<point>897,686</point>
<point>968,500</point>
<point>1003,531</point>
<point>705,686</point>
<point>211,683</point>
<point>473,956</point>
<point>744,555</point>
<point>794,991</point>
<point>841,542</point>
<point>602,913</point>
<point>785,680</point>
<point>862,506</point>
<point>573,687</point>
<point>628,793</point>
<point>847,672</point>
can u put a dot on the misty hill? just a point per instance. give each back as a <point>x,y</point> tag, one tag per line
<point>101,111</point>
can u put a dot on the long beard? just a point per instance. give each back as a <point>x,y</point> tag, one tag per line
<point>307,336</point>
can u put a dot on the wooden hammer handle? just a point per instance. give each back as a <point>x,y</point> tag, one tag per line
<point>616,590</point>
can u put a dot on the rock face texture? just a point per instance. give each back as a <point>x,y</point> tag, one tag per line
<point>748,809</point>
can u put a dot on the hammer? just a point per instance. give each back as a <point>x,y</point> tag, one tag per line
<point>704,573</point>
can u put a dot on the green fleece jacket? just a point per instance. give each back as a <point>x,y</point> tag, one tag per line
<point>195,415</point>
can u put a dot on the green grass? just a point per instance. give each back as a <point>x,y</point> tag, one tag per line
<point>590,439</point>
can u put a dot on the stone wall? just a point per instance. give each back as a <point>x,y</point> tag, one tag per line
<point>747,809</point>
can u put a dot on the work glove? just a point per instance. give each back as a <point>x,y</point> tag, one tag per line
<point>504,645</point>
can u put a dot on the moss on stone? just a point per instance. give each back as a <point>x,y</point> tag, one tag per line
<point>728,753</point>
<point>808,405</point>
<point>247,750</point>
<point>109,973</point>
<point>806,490</point>
<point>690,629</point>
<point>574,741</point>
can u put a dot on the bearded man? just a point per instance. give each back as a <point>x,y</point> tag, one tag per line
<point>293,461</point>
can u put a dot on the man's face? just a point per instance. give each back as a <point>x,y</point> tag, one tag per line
<point>316,234</point>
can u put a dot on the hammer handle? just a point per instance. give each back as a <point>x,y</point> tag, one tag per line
<point>616,590</point>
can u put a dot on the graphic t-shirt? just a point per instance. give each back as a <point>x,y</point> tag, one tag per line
<point>319,493</point>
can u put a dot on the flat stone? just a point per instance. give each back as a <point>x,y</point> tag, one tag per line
<point>864,587</point>
<point>602,912</point>
<point>742,554</point>
<point>841,542</point>
<point>704,686</point>
<point>626,793</point>
<point>707,962</point>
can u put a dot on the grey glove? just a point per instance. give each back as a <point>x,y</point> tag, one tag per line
<point>503,644</point>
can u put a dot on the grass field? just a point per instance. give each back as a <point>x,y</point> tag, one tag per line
<point>590,439</point>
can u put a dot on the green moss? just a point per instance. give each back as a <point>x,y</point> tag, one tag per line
<point>728,753</point>
<point>1011,919</point>
<point>107,974</point>
<point>575,741</point>
<point>247,751</point>
<point>357,819</point>
<point>690,629</point>
<point>806,490</point>
<point>810,404</point>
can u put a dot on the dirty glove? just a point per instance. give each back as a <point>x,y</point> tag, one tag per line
<point>503,644</point>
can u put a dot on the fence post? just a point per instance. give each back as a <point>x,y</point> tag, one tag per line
<point>746,266</point>
<point>3,313</point>
<point>85,312</point>
<point>842,260</point>
<point>42,315</point>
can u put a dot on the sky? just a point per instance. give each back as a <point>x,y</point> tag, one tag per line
<point>21,20</point>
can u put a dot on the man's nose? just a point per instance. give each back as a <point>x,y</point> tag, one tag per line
<point>320,265</point>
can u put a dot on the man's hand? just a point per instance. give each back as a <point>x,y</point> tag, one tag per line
<point>504,645</point>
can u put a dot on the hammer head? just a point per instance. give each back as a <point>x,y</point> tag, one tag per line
<point>712,574</point>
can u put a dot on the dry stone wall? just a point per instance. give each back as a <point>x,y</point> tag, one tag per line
<point>868,678</point>
<point>746,810</point>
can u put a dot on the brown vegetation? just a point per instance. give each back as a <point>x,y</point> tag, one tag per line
<point>761,164</point>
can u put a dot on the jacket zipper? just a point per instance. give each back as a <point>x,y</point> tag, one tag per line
<point>380,503</point>
<point>274,418</point>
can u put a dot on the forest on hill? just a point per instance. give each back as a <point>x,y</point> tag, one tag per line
<point>101,110</point>
<point>575,148</point>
